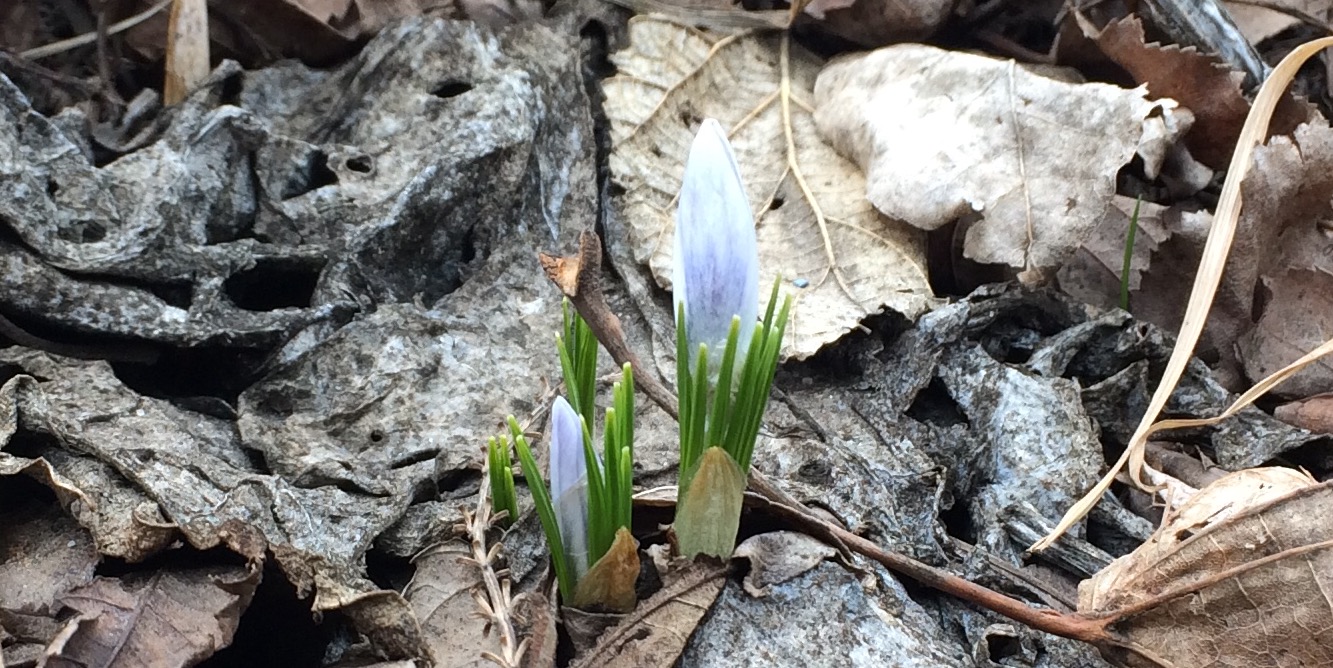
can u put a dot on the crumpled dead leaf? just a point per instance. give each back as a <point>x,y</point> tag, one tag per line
<point>1297,318</point>
<point>873,23</point>
<point>841,258</point>
<point>1234,578</point>
<point>657,631</point>
<point>442,597</point>
<point>943,134</point>
<point>1311,413</point>
<point>778,556</point>
<point>1200,82</point>
<point>1258,22</point>
<point>169,618</point>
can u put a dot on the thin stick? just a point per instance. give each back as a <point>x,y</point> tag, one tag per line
<point>90,37</point>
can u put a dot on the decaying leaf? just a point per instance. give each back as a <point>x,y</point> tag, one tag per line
<point>441,594</point>
<point>943,134</point>
<point>1200,82</point>
<point>43,554</point>
<point>1238,577</point>
<point>1297,318</point>
<point>876,23</point>
<point>610,581</point>
<point>171,618</point>
<point>1092,273</point>
<point>778,556</point>
<point>1312,413</point>
<point>1260,20</point>
<point>656,632</point>
<point>841,259</point>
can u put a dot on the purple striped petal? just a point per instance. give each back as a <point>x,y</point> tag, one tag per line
<point>716,264</point>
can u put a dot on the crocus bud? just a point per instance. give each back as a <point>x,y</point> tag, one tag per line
<point>716,263</point>
<point>569,484</point>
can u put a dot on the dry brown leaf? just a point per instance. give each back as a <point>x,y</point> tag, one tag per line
<point>814,225</point>
<point>943,134</point>
<point>655,634</point>
<point>1092,274</point>
<point>1199,82</point>
<point>172,618</point>
<point>442,597</point>
<point>44,553</point>
<point>610,582</point>
<point>778,556</point>
<point>1258,23</point>
<point>878,22</point>
<point>187,49</point>
<point>1297,318</point>
<point>1237,578</point>
<point>1312,413</point>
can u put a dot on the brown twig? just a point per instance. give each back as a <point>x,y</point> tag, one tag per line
<point>579,279</point>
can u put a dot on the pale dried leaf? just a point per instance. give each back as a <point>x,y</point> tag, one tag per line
<point>778,556</point>
<point>942,134</point>
<point>1092,274</point>
<point>442,597</point>
<point>171,618</point>
<point>656,632</point>
<point>187,49</point>
<point>1311,413</point>
<point>1297,318</point>
<point>815,227</point>
<point>1237,578</point>
<point>1258,23</point>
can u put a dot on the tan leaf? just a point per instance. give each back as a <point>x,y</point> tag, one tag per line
<point>441,594</point>
<point>654,635</point>
<point>877,22</point>
<point>187,49</point>
<point>1297,318</point>
<point>815,227</point>
<point>778,556</point>
<point>942,134</point>
<point>709,514</point>
<point>173,618</point>
<point>1237,578</point>
<point>1312,413</point>
<point>609,584</point>
<point>1258,23</point>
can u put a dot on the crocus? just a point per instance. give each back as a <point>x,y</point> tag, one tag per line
<point>569,484</point>
<point>716,263</point>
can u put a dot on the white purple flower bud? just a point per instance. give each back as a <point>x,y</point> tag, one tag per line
<point>716,262</point>
<point>569,484</point>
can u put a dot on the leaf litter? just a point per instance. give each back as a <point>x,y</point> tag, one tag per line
<point>347,424</point>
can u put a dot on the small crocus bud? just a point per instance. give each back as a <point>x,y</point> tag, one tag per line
<point>716,263</point>
<point>569,484</point>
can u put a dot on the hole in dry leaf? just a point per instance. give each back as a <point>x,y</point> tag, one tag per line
<point>52,187</point>
<point>376,436</point>
<point>273,284</point>
<point>1000,647</point>
<point>361,164</point>
<point>83,232</point>
<point>315,174</point>
<point>194,372</point>
<point>776,204</point>
<point>451,88</point>
<point>278,629</point>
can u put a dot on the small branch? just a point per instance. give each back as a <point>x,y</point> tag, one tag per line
<point>578,277</point>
